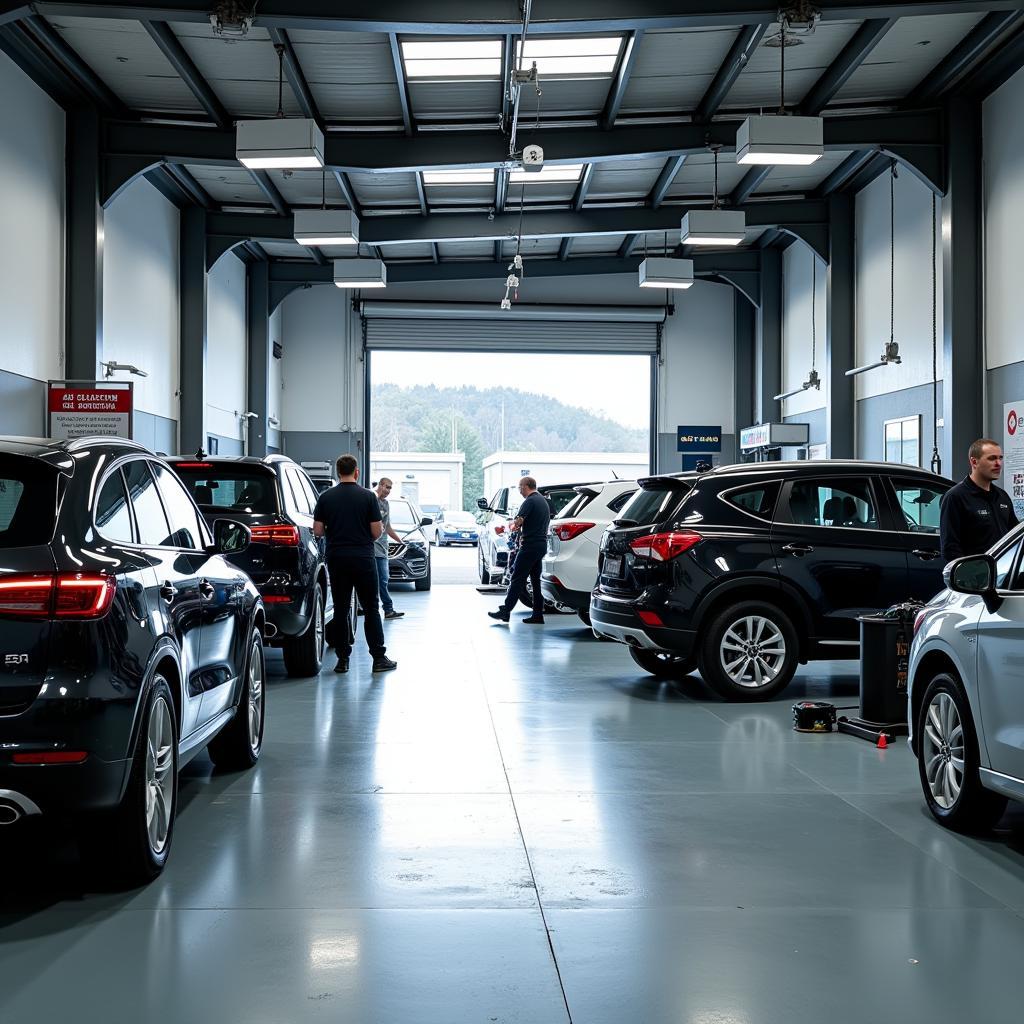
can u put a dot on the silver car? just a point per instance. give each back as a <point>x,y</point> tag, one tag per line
<point>966,689</point>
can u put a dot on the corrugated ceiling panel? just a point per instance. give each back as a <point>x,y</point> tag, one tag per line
<point>352,77</point>
<point>129,62</point>
<point>339,252</point>
<point>460,195</point>
<point>607,244</point>
<point>697,175</point>
<point>227,185</point>
<point>531,247</point>
<point>306,188</point>
<point>802,179</point>
<point>455,100</point>
<point>617,178</point>
<point>908,51</point>
<point>565,96</point>
<point>421,250</point>
<point>369,102</point>
<point>466,250</point>
<point>285,250</point>
<point>385,189</point>
<point>302,35</point>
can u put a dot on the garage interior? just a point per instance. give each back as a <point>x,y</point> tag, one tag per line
<point>521,825</point>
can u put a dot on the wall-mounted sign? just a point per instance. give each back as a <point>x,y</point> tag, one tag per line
<point>697,440</point>
<point>774,435</point>
<point>1013,454</point>
<point>89,409</point>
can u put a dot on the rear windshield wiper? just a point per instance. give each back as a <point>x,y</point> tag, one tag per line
<point>625,522</point>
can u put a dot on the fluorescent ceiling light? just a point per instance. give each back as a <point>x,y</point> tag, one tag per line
<point>780,139</point>
<point>666,272</point>
<point>549,172</point>
<point>713,227</point>
<point>360,274</point>
<point>453,58</point>
<point>573,56</point>
<point>469,176</point>
<point>280,142</point>
<point>326,227</point>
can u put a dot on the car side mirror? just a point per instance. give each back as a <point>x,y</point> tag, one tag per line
<point>426,521</point>
<point>975,574</point>
<point>229,537</point>
<point>481,503</point>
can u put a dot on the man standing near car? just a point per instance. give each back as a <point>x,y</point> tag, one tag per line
<point>532,526</point>
<point>975,514</point>
<point>348,515</point>
<point>380,549</point>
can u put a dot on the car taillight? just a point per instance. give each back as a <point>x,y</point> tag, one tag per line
<point>566,531</point>
<point>51,757</point>
<point>499,529</point>
<point>193,465</point>
<point>919,620</point>
<point>276,536</point>
<point>663,547</point>
<point>650,618</point>
<point>67,595</point>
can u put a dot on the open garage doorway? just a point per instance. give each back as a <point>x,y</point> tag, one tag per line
<point>452,427</point>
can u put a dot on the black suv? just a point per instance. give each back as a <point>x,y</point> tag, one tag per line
<point>129,643</point>
<point>746,571</point>
<point>275,499</point>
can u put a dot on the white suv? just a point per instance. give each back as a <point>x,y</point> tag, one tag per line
<point>570,566</point>
<point>966,689</point>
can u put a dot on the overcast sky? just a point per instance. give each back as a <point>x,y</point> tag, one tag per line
<point>614,386</point>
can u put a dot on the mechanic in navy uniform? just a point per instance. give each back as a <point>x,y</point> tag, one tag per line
<point>532,526</point>
<point>975,514</point>
<point>348,515</point>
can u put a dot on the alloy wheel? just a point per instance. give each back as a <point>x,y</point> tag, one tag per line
<point>255,698</point>
<point>943,750</point>
<point>159,775</point>
<point>753,651</point>
<point>318,626</point>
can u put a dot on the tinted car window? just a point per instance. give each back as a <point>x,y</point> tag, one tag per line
<point>653,504</point>
<point>185,529</point>
<point>234,488</point>
<point>919,506</point>
<point>307,486</point>
<point>1004,566</point>
<point>149,511</point>
<point>28,502</point>
<point>620,502</point>
<point>298,492</point>
<point>845,503</point>
<point>113,515</point>
<point>559,497</point>
<point>574,507</point>
<point>758,501</point>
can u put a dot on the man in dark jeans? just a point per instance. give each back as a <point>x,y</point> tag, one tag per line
<point>532,525</point>
<point>348,515</point>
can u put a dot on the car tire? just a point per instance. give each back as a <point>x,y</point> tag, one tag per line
<point>526,600</point>
<point>662,665</point>
<point>237,746</point>
<point>724,664</point>
<point>584,615</point>
<point>304,655</point>
<point>485,576</point>
<point>956,799</point>
<point>424,584</point>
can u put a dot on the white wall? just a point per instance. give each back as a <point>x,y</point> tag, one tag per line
<point>798,349</point>
<point>140,294</point>
<point>226,347</point>
<point>913,290</point>
<point>32,214</point>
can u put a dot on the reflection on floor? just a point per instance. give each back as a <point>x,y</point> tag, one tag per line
<point>518,825</point>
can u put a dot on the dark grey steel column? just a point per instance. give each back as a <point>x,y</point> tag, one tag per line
<point>769,338</point>
<point>840,345</point>
<point>192,426</point>
<point>83,332</point>
<point>258,315</point>
<point>962,343</point>
<point>745,332</point>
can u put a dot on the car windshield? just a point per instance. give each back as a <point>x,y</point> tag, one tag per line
<point>459,519</point>
<point>28,501</point>
<point>403,517</point>
<point>239,488</point>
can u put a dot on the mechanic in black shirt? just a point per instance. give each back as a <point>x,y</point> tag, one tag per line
<point>532,523</point>
<point>348,515</point>
<point>975,514</point>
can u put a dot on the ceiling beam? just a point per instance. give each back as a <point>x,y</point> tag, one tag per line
<point>564,249</point>
<point>296,79</point>
<point>161,34</point>
<point>855,162</point>
<point>435,252</point>
<point>421,192</point>
<point>749,184</point>
<point>878,164</point>
<point>507,56</point>
<point>673,165</point>
<point>627,247</point>
<point>580,195</point>
<point>500,190</point>
<point>497,250</point>
<point>493,17</point>
<point>348,193</point>
<point>318,257</point>
<point>621,81</point>
<point>838,73</point>
<point>23,48</point>
<point>996,69</point>
<point>188,184</point>
<point>269,189</point>
<point>736,60</point>
<point>402,82</point>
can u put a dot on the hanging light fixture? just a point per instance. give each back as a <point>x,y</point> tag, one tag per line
<point>715,226</point>
<point>813,380</point>
<point>781,138</point>
<point>891,352</point>
<point>360,273</point>
<point>666,272</point>
<point>326,227</point>
<point>279,142</point>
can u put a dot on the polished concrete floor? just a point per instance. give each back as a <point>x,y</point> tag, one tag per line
<point>518,825</point>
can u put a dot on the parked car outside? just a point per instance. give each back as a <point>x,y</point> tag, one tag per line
<point>746,571</point>
<point>569,571</point>
<point>452,527</point>
<point>130,644</point>
<point>409,558</point>
<point>966,689</point>
<point>275,499</point>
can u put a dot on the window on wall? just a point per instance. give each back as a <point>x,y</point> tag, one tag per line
<point>903,440</point>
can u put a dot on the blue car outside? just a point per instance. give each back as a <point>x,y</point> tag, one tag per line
<point>455,528</point>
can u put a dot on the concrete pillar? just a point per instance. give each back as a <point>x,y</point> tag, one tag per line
<point>840,347</point>
<point>192,298</point>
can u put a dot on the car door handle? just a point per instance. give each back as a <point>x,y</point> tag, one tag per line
<point>926,554</point>
<point>797,549</point>
<point>168,592</point>
<point>207,590</point>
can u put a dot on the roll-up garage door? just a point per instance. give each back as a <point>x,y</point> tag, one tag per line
<point>604,330</point>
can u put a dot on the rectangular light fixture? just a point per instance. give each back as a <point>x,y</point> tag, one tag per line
<point>465,176</point>
<point>572,56</point>
<point>453,58</point>
<point>780,139</point>
<point>360,274</point>
<point>713,227</point>
<point>326,227</point>
<point>666,272</point>
<point>293,143</point>
<point>549,173</point>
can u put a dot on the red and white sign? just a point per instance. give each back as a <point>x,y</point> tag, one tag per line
<point>83,410</point>
<point>1013,455</point>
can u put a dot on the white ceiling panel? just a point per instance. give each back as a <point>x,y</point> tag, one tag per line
<point>306,188</point>
<point>469,251</point>
<point>627,177</point>
<point>697,175</point>
<point>564,96</point>
<point>802,179</point>
<point>593,244</point>
<point>368,102</point>
<point>417,251</point>
<point>227,184</point>
<point>285,250</point>
<point>455,100</point>
<point>542,192</point>
<point>460,195</point>
<point>351,77</point>
<point>905,55</point>
<point>385,189</point>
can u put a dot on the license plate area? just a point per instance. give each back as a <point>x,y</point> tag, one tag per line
<point>612,566</point>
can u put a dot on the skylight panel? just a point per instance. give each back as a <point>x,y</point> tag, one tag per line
<point>453,58</point>
<point>548,173</point>
<point>467,176</point>
<point>573,56</point>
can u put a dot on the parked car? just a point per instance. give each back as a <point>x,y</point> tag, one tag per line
<point>275,499</point>
<point>409,558</point>
<point>453,528</point>
<point>570,566</point>
<point>966,689</point>
<point>493,520</point>
<point>746,571</point>
<point>130,644</point>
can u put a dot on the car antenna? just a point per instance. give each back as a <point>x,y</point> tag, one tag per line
<point>200,454</point>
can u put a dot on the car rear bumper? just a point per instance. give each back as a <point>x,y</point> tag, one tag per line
<point>554,590</point>
<point>618,620</point>
<point>62,789</point>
